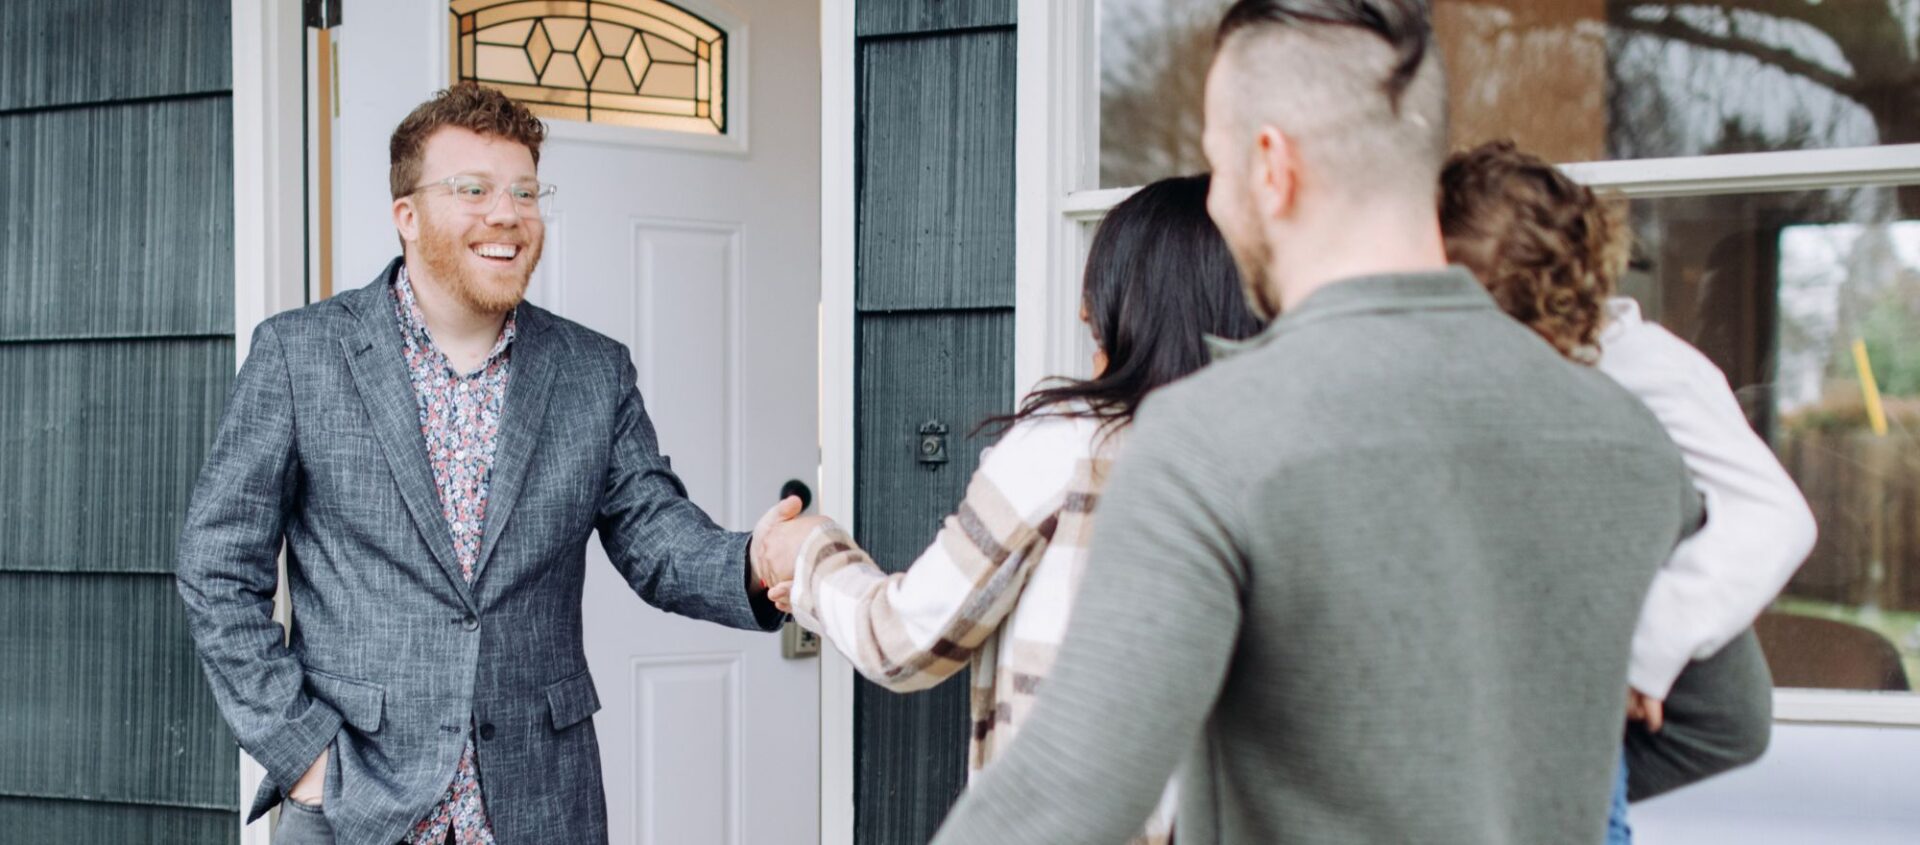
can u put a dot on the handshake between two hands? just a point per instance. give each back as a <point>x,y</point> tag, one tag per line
<point>775,549</point>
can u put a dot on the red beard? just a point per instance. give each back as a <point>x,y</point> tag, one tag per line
<point>450,259</point>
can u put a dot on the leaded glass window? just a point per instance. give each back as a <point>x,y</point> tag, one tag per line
<point>643,63</point>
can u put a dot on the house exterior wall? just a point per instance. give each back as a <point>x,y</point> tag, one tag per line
<point>934,319</point>
<point>116,354</point>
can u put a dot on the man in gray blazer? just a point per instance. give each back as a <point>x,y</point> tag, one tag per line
<point>434,454</point>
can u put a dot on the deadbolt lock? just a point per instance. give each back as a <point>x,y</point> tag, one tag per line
<point>933,444</point>
<point>797,642</point>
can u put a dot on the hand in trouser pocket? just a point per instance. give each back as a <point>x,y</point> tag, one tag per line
<point>302,824</point>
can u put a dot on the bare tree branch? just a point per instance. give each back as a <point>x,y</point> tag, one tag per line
<point>1819,16</point>
<point>1674,29</point>
<point>1870,36</point>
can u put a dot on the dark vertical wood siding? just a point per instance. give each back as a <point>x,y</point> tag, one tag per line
<point>53,822</point>
<point>902,17</point>
<point>109,705</point>
<point>954,367</point>
<point>107,239</point>
<point>934,295</point>
<point>68,52</point>
<point>936,172</point>
<point>116,355</point>
<point>103,440</point>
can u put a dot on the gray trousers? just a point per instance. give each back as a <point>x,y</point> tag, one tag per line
<point>302,825</point>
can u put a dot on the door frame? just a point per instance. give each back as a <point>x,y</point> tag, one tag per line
<point>270,267</point>
<point>1058,150</point>
<point>269,220</point>
<point>839,102</point>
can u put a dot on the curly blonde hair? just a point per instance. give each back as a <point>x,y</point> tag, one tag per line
<point>1548,249</point>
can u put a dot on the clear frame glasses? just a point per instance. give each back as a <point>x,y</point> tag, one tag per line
<point>529,198</point>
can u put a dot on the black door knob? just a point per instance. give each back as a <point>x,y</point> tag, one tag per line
<point>796,487</point>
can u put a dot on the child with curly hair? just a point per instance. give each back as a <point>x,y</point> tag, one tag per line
<point>1551,252</point>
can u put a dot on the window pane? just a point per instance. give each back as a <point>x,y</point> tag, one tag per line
<point>1575,80</point>
<point>645,62</point>
<point>1779,290</point>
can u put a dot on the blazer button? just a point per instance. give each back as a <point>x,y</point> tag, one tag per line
<point>470,622</point>
<point>486,731</point>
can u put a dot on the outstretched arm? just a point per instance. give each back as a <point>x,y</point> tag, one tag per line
<point>665,547</point>
<point>911,630</point>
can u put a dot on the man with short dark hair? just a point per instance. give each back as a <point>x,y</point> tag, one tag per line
<point>1373,577</point>
<point>434,452</point>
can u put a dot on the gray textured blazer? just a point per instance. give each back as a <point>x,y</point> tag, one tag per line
<point>392,656</point>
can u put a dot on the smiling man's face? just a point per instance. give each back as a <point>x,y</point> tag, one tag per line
<point>484,254</point>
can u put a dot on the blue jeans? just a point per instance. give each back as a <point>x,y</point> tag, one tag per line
<point>1618,831</point>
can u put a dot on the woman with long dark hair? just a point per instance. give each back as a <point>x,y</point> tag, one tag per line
<point>995,587</point>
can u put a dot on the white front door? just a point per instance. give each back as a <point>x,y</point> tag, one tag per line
<point>706,264</point>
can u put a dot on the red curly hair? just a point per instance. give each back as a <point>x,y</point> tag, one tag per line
<point>470,106</point>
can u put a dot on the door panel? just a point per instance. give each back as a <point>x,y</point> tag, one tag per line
<point>688,712</point>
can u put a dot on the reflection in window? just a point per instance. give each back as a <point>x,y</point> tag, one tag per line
<point>640,63</point>
<point>1576,80</point>
<point>1810,302</point>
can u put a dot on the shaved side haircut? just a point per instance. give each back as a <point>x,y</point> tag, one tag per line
<point>1354,84</point>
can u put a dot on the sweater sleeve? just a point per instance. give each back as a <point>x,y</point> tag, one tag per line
<point>910,630</point>
<point>1146,652</point>
<point>1758,527</point>
<point>1719,717</point>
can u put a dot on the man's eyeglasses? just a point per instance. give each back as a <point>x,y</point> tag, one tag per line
<point>529,198</point>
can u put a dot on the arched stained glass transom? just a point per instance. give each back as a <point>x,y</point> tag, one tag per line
<point>643,63</point>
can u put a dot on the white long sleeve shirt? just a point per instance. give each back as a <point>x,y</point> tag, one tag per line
<point>1758,530</point>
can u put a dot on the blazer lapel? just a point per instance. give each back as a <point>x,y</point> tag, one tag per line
<point>380,374</point>
<point>527,391</point>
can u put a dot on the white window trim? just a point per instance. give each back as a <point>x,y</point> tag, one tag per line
<point>269,198</point>
<point>1057,102</point>
<point>1056,161</point>
<point>1842,707</point>
<point>1646,178</point>
<point>839,102</point>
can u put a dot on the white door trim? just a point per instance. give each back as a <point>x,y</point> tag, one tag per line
<point>839,100</point>
<point>269,198</point>
<point>269,266</point>
<point>269,194</point>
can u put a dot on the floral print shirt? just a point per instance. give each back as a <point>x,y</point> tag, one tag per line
<point>460,421</point>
